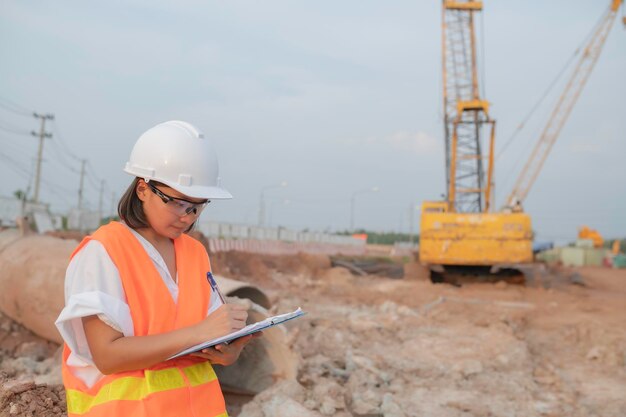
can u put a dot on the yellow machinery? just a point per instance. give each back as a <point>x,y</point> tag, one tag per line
<point>464,230</point>
<point>588,233</point>
<point>473,239</point>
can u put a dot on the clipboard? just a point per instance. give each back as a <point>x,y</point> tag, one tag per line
<point>249,329</point>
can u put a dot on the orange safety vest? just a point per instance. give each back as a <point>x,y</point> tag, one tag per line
<point>182,387</point>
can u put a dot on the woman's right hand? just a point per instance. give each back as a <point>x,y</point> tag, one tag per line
<point>226,319</point>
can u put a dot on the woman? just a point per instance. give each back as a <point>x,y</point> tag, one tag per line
<point>136,292</point>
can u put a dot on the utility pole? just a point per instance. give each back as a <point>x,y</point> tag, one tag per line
<point>411,209</point>
<point>82,181</point>
<point>42,135</point>
<point>80,194</point>
<point>262,201</point>
<point>352,203</point>
<point>100,213</point>
<point>262,208</point>
<point>112,205</point>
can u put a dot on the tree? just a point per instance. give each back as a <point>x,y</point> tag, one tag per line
<point>20,195</point>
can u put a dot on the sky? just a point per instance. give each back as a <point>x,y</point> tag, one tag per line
<point>335,98</point>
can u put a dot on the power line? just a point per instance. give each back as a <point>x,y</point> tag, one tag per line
<point>19,145</point>
<point>550,86</point>
<point>15,166</point>
<point>521,126</point>
<point>60,191</point>
<point>61,140</point>
<point>65,150</point>
<point>509,175</point>
<point>93,182</point>
<point>92,177</point>
<point>19,169</point>
<point>63,161</point>
<point>92,172</point>
<point>14,107</point>
<point>15,130</point>
<point>57,187</point>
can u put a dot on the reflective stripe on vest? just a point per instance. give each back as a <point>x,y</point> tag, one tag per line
<point>183,387</point>
<point>137,388</point>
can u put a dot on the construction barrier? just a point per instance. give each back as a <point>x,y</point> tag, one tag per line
<point>224,237</point>
<point>278,247</point>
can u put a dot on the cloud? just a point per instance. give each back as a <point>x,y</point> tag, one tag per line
<point>419,143</point>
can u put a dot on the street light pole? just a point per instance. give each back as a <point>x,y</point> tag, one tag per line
<point>353,200</point>
<point>262,200</point>
<point>262,207</point>
<point>412,208</point>
<point>352,213</point>
<point>273,208</point>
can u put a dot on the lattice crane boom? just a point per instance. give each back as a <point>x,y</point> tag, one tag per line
<point>563,108</point>
<point>466,114</point>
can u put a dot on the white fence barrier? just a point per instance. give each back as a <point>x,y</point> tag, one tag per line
<point>240,231</point>
<point>225,237</point>
<point>279,247</point>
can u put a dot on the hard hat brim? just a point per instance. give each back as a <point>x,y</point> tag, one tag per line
<point>206,192</point>
<point>197,191</point>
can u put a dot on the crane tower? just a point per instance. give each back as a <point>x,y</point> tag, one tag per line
<point>467,125</point>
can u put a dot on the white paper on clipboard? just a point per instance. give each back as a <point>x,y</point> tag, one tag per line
<point>249,329</point>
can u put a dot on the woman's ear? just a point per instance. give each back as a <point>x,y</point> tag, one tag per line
<point>142,190</point>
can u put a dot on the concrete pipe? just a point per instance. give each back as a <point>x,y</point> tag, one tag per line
<point>32,273</point>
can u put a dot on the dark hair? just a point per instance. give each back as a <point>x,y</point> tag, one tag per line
<point>130,208</point>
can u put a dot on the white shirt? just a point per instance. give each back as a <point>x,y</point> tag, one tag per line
<point>93,287</point>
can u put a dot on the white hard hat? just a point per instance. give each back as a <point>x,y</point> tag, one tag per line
<point>178,155</point>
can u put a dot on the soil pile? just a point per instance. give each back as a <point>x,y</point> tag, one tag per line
<point>30,373</point>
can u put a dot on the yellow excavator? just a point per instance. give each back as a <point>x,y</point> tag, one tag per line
<point>587,233</point>
<point>464,231</point>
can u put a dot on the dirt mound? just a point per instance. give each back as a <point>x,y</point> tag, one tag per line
<point>67,234</point>
<point>259,268</point>
<point>30,373</point>
<point>28,399</point>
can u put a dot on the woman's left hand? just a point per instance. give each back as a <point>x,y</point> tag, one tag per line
<point>226,354</point>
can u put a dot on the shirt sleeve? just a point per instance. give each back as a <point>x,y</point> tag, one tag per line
<point>92,287</point>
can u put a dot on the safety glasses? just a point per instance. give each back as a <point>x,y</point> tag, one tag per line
<point>179,206</point>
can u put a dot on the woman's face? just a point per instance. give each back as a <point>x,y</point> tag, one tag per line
<point>162,219</point>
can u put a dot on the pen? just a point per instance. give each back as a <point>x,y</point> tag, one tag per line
<point>213,283</point>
